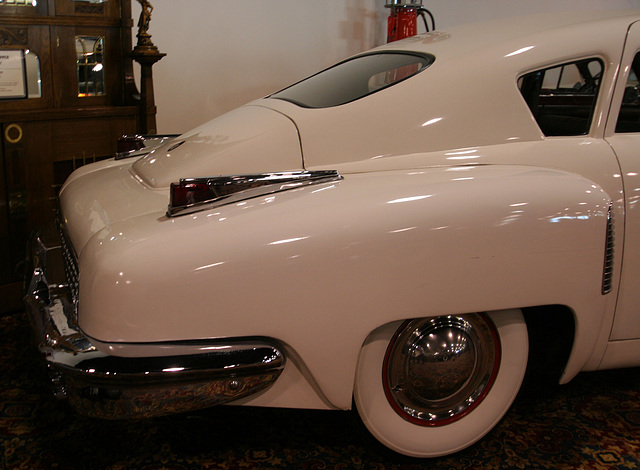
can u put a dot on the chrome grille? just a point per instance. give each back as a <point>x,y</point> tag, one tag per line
<point>607,274</point>
<point>70,261</point>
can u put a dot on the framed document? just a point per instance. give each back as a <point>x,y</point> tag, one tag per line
<point>13,75</point>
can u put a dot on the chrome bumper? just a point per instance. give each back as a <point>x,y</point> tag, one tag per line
<point>184,376</point>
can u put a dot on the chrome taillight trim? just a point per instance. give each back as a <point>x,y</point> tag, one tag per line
<point>607,273</point>
<point>230,189</point>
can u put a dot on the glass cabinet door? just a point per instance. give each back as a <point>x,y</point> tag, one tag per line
<point>90,65</point>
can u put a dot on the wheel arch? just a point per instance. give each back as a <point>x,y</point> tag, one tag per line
<point>549,348</point>
<point>551,330</point>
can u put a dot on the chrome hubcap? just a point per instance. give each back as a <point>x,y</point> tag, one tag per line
<point>437,370</point>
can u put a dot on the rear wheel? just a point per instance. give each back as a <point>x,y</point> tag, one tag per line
<point>434,386</point>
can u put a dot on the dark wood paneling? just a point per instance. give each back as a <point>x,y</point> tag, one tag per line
<point>109,9</point>
<point>89,137</point>
<point>60,130</point>
<point>5,255</point>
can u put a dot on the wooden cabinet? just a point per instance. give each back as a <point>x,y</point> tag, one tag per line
<point>81,99</point>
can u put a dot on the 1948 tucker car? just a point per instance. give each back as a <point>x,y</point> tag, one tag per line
<point>406,231</point>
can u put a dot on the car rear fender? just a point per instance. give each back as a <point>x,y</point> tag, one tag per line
<point>321,267</point>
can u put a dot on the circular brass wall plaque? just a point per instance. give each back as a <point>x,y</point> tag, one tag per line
<point>13,133</point>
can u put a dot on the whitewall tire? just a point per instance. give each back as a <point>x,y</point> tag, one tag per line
<point>432,387</point>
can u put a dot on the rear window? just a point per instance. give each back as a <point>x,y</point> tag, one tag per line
<point>354,78</point>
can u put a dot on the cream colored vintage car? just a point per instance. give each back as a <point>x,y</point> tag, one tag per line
<point>407,231</point>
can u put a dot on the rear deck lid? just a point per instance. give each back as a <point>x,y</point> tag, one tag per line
<point>250,139</point>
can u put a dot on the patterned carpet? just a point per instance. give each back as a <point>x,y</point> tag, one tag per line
<point>592,423</point>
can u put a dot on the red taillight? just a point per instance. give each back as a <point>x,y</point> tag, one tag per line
<point>185,194</point>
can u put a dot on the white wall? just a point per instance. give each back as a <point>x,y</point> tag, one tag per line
<point>454,12</point>
<point>221,54</point>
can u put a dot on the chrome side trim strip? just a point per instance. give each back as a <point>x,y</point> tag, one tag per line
<point>230,189</point>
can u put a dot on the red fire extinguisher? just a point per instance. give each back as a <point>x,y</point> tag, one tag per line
<point>403,18</point>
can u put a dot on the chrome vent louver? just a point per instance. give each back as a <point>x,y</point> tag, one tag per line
<point>607,274</point>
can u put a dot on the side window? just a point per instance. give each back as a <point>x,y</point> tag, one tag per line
<point>629,117</point>
<point>562,98</point>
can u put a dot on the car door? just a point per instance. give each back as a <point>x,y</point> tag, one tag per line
<point>623,134</point>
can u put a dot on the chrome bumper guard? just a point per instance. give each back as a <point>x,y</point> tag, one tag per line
<point>107,386</point>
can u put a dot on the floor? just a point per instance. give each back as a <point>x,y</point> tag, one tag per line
<point>591,423</point>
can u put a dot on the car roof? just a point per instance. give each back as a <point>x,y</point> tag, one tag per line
<point>562,33</point>
<point>468,97</point>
